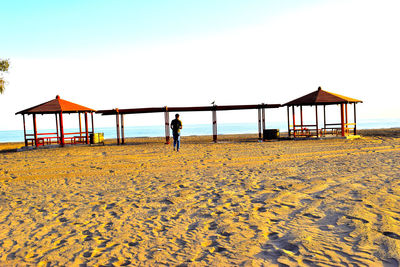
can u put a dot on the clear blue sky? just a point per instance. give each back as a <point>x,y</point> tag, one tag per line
<point>48,28</point>
<point>127,54</point>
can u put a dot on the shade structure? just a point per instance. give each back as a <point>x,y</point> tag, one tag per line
<point>214,108</point>
<point>321,98</point>
<point>58,107</point>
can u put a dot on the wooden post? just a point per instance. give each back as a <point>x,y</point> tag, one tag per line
<point>35,130</point>
<point>324,119</point>
<point>355,120</point>
<point>23,119</point>
<point>122,129</point>
<point>167,130</point>
<point>259,125</point>
<point>214,118</point>
<point>86,128</point>
<point>263,117</point>
<point>342,118</point>
<point>58,135</point>
<point>91,113</point>
<point>347,120</point>
<point>62,141</point>
<point>80,124</point>
<point>294,122</point>
<point>117,121</point>
<point>316,120</point>
<point>288,120</point>
<point>301,118</point>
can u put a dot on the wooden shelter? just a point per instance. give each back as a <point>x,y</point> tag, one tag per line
<point>119,113</point>
<point>321,98</point>
<point>58,107</point>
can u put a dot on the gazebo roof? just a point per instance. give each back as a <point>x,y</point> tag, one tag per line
<point>56,105</point>
<point>321,97</point>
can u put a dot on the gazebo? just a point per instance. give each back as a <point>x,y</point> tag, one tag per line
<point>58,107</point>
<point>321,98</point>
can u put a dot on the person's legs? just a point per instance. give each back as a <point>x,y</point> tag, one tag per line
<point>178,142</point>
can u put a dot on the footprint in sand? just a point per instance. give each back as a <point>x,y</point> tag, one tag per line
<point>273,236</point>
<point>391,235</point>
<point>312,216</point>
<point>355,218</point>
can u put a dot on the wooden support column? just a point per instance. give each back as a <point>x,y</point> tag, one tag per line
<point>301,118</point>
<point>86,128</point>
<point>324,116</point>
<point>35,130</point>
<point>259,125</point>
<point>316,120</point>
<point>80,124</point>
<point>117,122</point>
<point>263,118</point>
<point>294,122</point>
<point>355,120</point>
<point>23,119</point>
<point>167,129</point>
<point>62,141</point>
<point>214,119</point>
<point>122,129</point>
<point>288,121</point>
<point>347,120</point>
<point>58,134</point>
<point>91,113</point>
<point>342,118</point>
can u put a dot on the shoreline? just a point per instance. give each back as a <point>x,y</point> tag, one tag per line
<point>363,132</point>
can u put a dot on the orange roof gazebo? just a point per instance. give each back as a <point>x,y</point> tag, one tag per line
<point>58,107</point>
<point>322,98</point>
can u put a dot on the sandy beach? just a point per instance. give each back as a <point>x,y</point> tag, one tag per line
<point>239,202</point>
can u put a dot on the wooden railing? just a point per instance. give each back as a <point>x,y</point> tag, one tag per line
<point>309,130</point>
<point>54,138</point>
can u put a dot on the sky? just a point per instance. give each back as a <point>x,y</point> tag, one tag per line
<point>129,54</point>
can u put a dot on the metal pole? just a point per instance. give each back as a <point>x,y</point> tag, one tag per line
<point>23,119</point>
<point>35,130</point>
<point>86,128</point>
<point>214,118</point>
<point>167,130</point>
<point>62,130</point>
<point>122,129</point>
<point>316,119</point>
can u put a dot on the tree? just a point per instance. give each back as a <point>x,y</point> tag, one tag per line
<point>4,64</point>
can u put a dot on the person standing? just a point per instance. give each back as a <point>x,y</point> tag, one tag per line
<point>176,126</point>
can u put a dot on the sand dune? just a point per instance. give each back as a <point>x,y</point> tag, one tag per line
<point>312,202</point>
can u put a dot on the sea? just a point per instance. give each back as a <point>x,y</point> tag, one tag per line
<point>196,129</point>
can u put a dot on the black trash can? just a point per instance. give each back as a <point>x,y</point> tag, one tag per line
<point>269,134</point>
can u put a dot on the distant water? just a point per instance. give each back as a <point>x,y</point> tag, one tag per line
<point>198,129</point>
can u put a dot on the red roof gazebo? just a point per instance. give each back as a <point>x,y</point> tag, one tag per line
<point>322,98</point>
<point>58,107</point>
